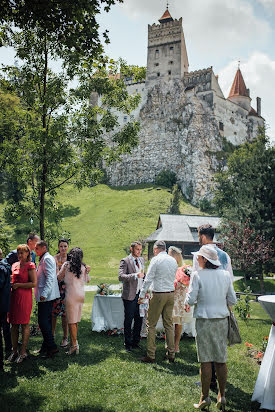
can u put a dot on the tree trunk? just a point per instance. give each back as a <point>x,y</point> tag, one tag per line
<point>42,212</point>
<point>261,278</point>
<point>45,169</point>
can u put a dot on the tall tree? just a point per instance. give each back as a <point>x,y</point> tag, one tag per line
<point>65,139</point>
<point>245,190</point>
<point>248,250</point>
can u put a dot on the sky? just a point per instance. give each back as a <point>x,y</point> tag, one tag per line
<point>218,33</point>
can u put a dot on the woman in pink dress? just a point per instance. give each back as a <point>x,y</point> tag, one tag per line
<point>75,274</point>
<point>23,280</point>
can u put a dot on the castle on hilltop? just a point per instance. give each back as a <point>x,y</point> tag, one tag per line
<point>185,119</point>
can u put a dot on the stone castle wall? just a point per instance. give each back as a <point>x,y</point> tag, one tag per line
<point>178,133</point>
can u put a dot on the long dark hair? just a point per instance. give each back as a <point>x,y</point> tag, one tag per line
<point>75,257</point>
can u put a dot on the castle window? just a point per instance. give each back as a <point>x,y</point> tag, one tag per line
<point>158,74</point>
<point>169,72</point>
<point>157,54</point>
<point>171,50</point>
<point>221,126</point>
<point>156,64</point>
<point>125,119</point>
<point>171,62</point>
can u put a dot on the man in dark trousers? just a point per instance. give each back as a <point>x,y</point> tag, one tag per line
<point>131,274</point>
<point>5,290</point>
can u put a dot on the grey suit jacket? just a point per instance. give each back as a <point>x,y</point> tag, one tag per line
<point>127,275</point>
<point>47,284</point>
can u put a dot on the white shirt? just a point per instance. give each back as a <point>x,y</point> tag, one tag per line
<point>138,269</point>
<point>211,291</point>
<point>161,273</point>
<point>226,267</point>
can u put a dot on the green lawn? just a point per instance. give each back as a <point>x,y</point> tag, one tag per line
<point>103,377</point>
<point>254,284</point>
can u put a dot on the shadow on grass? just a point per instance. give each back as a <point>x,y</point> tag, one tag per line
<point>23,401</point>
<point>241,285</point>
<point>239,400</point>
<point>69,211</point>
<point>88,408</point>
<point>141,186</point>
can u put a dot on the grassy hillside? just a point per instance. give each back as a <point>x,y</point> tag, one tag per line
<point>104,220</point>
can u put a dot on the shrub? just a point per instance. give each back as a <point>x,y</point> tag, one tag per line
<point>166,178</point>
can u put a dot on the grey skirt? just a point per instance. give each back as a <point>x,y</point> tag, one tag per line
<point>211,340</point>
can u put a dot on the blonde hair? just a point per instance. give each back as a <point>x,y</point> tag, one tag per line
<point>175,252</point>
<point>25,248</point>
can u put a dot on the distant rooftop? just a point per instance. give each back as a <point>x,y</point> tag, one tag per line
<point>181,228</point>
<point>238,87</point>
<point>166,17</point>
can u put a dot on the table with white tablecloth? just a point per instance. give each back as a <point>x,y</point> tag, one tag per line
<point>264,391</point>
<point>108,314</point>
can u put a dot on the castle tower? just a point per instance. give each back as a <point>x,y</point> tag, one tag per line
<point>167,54</point>
<point>239,94</point>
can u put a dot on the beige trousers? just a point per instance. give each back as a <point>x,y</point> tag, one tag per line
<point>161,304</point>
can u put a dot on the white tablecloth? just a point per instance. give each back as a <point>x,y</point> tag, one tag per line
<point>264,391</point>
<point>108,314</point>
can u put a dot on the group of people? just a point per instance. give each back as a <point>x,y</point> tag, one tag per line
<point>210,294</point>
<point>58,284</point>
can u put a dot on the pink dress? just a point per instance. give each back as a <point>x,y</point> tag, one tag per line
<point>75,293</point>
<point>21,299</point>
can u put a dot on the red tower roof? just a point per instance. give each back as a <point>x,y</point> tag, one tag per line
<point>166,17</point>
<point>238,87</point>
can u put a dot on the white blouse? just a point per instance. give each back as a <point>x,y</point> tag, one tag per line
<point>211,291</point>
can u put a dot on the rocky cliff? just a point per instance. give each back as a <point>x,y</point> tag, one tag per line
<point>178,133</point>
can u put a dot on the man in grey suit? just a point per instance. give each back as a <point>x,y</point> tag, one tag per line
<point>131,273</point>
<point>46,292</point>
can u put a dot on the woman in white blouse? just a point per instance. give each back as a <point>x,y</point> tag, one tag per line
<point>211,291</point>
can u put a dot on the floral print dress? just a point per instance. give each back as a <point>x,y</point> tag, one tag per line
<point>59,304</point>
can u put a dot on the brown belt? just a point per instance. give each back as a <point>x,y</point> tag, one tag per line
<point>171,291</point>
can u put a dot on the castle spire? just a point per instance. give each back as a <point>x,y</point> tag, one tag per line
<point>238,87</point>
<point>166,16</point>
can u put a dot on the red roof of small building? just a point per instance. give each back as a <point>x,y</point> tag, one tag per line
<point>166,17</point>
<point>253,112</point>
<point>238,87</point>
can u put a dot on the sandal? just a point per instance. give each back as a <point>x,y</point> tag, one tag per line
<point>64,343</point>
<point>13,356</point>
<point>20,358</point>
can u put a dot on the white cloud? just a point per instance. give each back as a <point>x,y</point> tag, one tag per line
<point>224,26</point>
<point>268,4</point>
<point>259,76</point>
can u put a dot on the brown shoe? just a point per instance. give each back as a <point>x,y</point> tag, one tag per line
<point>167,357</point>
<point>50,354</point>
<point>146,359</point>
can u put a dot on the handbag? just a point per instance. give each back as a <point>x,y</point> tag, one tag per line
<point>233,330</point>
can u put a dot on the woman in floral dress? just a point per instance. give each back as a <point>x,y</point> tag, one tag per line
<point>181,288</point>
<point>59,304</point>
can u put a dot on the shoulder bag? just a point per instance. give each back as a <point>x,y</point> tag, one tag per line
<point>233,330</point>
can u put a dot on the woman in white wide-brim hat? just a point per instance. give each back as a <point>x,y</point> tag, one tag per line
<point>211,291</point>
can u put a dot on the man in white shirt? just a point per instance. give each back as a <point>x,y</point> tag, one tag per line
<point>161,274</point>
<point>131,274</point>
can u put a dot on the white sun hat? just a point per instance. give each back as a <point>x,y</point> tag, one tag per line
<point>208,253</point>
